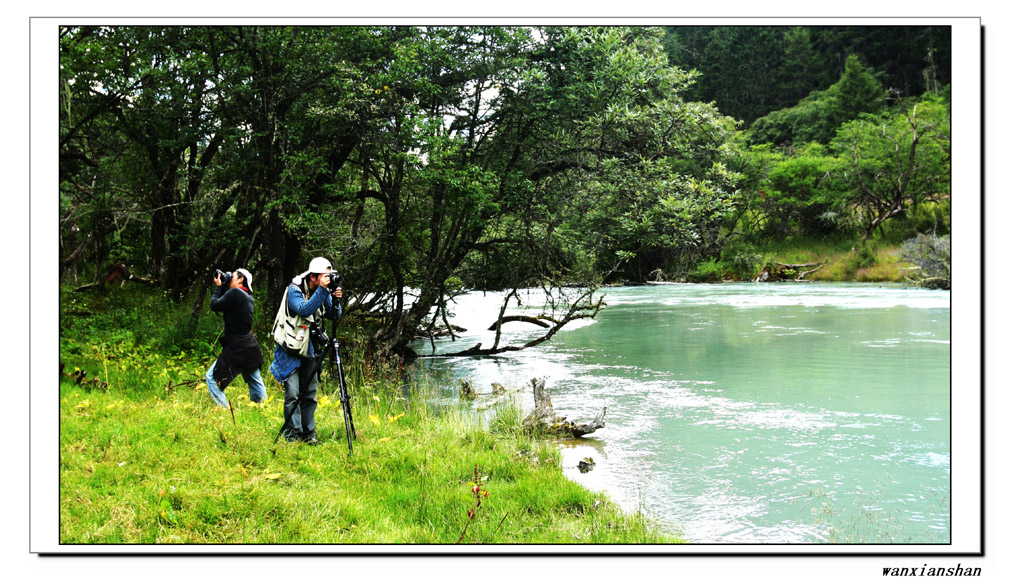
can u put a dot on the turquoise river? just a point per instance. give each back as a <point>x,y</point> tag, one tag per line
<point>746,413</point>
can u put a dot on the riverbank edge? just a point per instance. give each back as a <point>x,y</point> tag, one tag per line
<point>824,262</point>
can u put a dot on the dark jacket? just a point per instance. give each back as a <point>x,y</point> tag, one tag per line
<point>241,352</point>
<point>237,306</point>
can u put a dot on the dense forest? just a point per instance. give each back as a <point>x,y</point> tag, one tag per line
<point>752,71</point>
<point>424,161</point>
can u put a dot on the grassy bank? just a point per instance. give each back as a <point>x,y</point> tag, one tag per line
<point>844,259</point>
<point>146,457</point>
<point>840,259</point>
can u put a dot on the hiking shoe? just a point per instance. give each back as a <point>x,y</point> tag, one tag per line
<point>311,439</point>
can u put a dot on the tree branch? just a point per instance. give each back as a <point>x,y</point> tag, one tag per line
<point>583,307</point>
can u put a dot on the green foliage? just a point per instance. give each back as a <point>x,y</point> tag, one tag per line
<point>797,195</point>
<point>885,174</point>
<point>752,71</point>
<point>858,91</point>
<point>803,67</point>
<point>895,161</point>
<point>740,66</point>
<point>426,160</point>
<point>864,256</point>
<point>816,117</point>
<point>708,271</point>
<point>810,120</point>
<point>741,260</point>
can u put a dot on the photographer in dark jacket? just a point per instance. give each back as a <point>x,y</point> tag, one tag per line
<point>241,354</point>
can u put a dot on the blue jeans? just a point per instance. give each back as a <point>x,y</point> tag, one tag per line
<point>257,390</point>
<point>300,408</point>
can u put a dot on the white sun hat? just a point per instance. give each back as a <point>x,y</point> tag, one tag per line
<point>248,278</point>
<point>319,265</point>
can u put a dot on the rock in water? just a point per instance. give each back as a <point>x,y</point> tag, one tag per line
<point>466,390</point>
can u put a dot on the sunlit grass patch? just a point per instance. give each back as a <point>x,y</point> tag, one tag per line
<point>844,259</point>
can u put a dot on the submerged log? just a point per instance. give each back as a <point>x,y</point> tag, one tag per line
<point>468,391</point>
<point>544,421</point>
<point>482,400</point>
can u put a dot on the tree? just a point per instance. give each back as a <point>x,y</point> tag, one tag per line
<point>817,117</point>
<point>900,53</point>
<point>739,66</point>
<point>480,168</point>
<point>659,191</point>
<point>793,193</point>
<point>421,160</point>
<point>752,71</point>
<point>894,161</point>
<point>803,69</point>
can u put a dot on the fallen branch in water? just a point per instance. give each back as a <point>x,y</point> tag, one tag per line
<point>584,306</point>
<point>539,321</point>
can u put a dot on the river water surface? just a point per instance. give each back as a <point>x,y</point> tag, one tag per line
<point>747,413</point>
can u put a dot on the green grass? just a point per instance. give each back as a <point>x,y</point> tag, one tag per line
<point>846,259</point>
<point>148,461</point>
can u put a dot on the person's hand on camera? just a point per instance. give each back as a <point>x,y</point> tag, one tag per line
<point>217,279</point>
<point>338,293</point>
<point>324,280</point>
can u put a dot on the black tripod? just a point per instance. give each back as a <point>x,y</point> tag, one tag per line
<point>328,346</point>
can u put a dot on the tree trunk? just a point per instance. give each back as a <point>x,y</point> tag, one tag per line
<point>543,420</point>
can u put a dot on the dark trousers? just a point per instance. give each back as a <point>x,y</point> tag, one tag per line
<point>300,406</point>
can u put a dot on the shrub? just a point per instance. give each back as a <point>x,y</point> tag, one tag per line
<point>743,261</point>
<point>930,255</point>
<point>864,256</point>
<point>709,270</point>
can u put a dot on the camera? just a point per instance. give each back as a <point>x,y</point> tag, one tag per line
<point>318,336</point>
<point>334,282</point>
<point>225,277</point>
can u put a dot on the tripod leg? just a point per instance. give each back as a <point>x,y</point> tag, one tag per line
<point>345,399</point>
<point>350,417</point>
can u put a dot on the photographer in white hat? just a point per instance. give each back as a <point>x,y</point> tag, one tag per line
<point>306,301</point>
<point>241,353</point>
